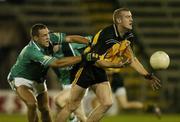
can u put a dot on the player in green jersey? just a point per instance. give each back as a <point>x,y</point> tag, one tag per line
<point>64,74</point>
<point>27,76</point>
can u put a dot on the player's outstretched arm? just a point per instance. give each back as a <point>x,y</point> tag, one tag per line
<point>108,64</point>
<point>155,82</point>
<point>76,39</point>
<point>66,61</point>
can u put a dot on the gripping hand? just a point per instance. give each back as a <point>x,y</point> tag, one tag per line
<point>90,57</point>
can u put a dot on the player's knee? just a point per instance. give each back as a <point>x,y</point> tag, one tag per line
<point>60,102</point>
<point>107,104</point>
<point>73,107</point>
<point>31,105</point>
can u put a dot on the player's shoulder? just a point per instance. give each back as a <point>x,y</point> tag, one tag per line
<point>108,32</point>
<point>57,37</point>
<point>108,29</point>
<point>25,51</point>
<point>31,48</point>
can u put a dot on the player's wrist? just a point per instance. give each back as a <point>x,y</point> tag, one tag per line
<point>148,76</point>
<point>90,57</point>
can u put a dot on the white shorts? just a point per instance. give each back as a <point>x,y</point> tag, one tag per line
<point>37,88</point>
<point>67,86</point>
<point>120,91</point>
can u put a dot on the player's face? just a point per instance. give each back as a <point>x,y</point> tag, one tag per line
<point>126,20</point>
<point>43,37</point>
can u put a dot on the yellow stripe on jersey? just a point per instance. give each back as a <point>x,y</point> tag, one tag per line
<point>96,38</point>
<point>88,49</point>
<point>94,41</point>
<point>77,76</point>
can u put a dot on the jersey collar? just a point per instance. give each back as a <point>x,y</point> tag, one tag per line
<point>116,31</point>
<point>37,45</point>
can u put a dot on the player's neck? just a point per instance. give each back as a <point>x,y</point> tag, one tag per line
<point>121,30</point>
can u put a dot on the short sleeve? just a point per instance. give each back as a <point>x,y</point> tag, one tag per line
<point>57,38</point>
<point>38,56</point>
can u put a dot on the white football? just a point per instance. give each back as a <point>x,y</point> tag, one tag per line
<point>159,60</point>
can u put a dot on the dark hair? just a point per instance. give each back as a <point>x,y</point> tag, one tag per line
<point>35,29</point>
<point>117,13</point>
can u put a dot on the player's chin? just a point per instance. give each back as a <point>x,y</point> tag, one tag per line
<point>46,45</point>
<point>129,27</point>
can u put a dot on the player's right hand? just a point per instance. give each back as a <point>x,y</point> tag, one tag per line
<point>90,57</point>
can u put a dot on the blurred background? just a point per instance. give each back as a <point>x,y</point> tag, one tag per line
<point>156,24</point>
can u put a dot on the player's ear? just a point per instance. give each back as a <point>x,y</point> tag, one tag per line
<point>118,20</point>
<point>35,37</point>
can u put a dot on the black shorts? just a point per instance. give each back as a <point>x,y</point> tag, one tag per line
<point>117,82</point>
<point>89,75</point>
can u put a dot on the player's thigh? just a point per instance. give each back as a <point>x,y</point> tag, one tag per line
<point>103,92</point>
<point>76,94</point>
<point>94,102</point>
<point>63,95</point>
<point>26,94</point>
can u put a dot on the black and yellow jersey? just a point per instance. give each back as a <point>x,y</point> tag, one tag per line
<point>105,42</point>
<point>105,39</point>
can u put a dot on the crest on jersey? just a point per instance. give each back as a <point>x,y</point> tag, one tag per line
<point>46,57</point>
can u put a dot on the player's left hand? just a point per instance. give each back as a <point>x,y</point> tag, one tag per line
<point>155,82</point>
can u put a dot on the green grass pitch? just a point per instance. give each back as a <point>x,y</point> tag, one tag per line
<point>118,118</point>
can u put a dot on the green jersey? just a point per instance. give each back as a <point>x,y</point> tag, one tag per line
<point>68,49</point>
<point>33,61</point>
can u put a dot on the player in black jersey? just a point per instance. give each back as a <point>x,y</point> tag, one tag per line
<point>114,49</point>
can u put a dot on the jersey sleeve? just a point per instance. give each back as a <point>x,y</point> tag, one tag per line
<point>89,37</point>
<point>77,46</point>
<point>57,38</point>
<point>37,56</point>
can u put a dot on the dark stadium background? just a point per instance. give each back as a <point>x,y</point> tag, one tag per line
<point>156,25</point>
